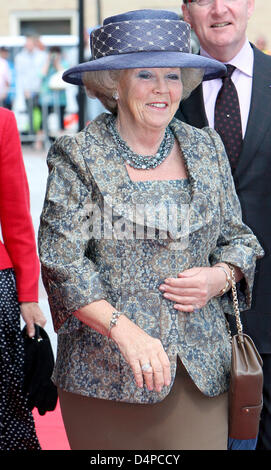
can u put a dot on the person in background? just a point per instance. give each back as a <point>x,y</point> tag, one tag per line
<point>19,277</point>
<point>53,95</point>
<point>220,26</point>
<point>139,367</point>
<point>8,102</point>
<point>5,79</point>
<point>28,65</point>
<point>261,43</point>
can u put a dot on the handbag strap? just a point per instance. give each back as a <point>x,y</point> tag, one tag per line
<point>235,302</point>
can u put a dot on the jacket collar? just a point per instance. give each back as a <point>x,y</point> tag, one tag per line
<point>119,192</point>
<point>192,110</point>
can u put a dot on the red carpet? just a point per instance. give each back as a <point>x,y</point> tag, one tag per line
<point>50,430</point>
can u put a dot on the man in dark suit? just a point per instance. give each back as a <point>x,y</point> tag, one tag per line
<point>220,26</point>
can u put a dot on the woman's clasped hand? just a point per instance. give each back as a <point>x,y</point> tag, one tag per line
<point>194,287</point>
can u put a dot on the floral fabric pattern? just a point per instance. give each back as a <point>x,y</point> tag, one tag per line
<point>85,256</point>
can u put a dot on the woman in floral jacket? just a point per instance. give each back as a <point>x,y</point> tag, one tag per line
<point>135,254</point>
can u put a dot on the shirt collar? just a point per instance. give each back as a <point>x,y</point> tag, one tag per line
<point>243,61</point>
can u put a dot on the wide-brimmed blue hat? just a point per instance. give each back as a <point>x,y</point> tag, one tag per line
<point>142,39</point>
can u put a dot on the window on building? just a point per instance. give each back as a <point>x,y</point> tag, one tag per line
<point>48,27</point>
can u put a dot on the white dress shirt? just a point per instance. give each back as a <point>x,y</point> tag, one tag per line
<point>242,79</point>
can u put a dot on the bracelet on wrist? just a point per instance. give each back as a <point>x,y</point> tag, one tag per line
<point>228,281</point>
<point>114,319</point>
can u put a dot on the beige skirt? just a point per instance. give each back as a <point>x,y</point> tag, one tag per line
<point>185,420</point>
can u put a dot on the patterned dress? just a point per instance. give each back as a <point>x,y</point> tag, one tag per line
<point>17,428</point>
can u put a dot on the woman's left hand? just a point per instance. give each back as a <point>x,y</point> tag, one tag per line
<point>31,314</point>
<point>194,287</point>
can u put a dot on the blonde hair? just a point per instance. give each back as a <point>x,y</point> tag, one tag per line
<point>102,84</point>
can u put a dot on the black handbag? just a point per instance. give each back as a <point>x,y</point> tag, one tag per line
<point>246,382</point>
<point>38,367</point>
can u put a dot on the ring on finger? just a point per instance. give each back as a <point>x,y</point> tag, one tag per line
<point>146,367</point>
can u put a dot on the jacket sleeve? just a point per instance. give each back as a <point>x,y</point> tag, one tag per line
<point>236,244</point>
<point>70,277</point>
<point>16,222</point>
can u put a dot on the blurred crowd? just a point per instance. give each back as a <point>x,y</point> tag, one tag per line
<point>44,105</point>
<point>31,85</point>
<point>261,43</point>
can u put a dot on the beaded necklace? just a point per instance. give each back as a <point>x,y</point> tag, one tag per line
<point>143,162</point>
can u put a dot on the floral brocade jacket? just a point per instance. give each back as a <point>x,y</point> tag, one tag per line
<point>91,206</point>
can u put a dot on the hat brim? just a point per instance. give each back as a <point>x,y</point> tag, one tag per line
<point>152,59</point>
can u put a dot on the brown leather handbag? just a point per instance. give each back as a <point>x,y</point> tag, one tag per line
<point>246,382</point>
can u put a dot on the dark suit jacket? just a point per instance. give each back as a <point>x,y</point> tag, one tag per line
<point>253,185</point>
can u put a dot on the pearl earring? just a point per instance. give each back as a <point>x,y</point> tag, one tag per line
<point>115,95</point>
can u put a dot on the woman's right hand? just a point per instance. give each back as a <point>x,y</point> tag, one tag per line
<point>139,348</point>
<point>32,314</point>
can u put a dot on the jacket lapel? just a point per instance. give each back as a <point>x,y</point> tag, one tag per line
<point>119,192</point>
<point>260,110</point>
<point>106,166</point>
<point>192,110</point>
